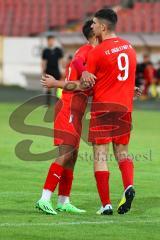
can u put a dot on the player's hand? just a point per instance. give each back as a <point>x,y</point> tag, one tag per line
<point>48,81</point>
<point>88,79</point>
<point>137,92</point>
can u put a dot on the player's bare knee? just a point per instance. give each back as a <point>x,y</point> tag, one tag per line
<point>120,151</point>
<point>100,153</point>
<point>71,160</point>
<point>67,155</point>
<point>100,157</point>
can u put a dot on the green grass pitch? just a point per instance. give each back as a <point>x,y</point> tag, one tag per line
<point>21,183</point>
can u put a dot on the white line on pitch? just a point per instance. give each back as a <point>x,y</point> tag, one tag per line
<point>77,223</point>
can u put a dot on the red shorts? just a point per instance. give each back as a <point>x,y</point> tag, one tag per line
<point>110,127</point>
<point>69,112</point>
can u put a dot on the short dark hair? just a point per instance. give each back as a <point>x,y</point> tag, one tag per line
<point>109,15</point>
<point>87,30</point>
<point>50,36</point>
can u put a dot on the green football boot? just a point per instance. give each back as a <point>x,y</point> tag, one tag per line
<point>46,207</point>
<point>68,207</point>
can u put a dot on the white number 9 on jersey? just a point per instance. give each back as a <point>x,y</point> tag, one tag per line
<point>124,75</point>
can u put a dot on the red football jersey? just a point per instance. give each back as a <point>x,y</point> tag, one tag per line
<point>72,74</point>
<point>82,53</point>
<point>114,63</point>
<point>71,107</point>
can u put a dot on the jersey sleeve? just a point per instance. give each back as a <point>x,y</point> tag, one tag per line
<point>91,64</point>
<point>82,53</point>
<point>79,64</point>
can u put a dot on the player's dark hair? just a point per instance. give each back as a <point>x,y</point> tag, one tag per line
<point>50,37</point>
<point>109,15</point>
<point>87,30</point>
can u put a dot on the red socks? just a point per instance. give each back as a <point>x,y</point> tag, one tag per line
<point>53,177</point>
<point>102,179</point>
<point>57,174</point>
<point>65,183</point>
<point>127,170</point>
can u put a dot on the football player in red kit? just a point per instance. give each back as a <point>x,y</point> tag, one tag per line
<point>60,138</point>
<point>69,112</point>
<point>113,62</point>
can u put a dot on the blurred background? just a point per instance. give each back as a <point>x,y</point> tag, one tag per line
<point>25,24</point>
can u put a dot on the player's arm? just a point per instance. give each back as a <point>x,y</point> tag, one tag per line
<point>80,59</point>
<point>49,81</point>
<point>61,62</point>
<point>78,63</point>
<point>44,61</point>
<point>43,66</point>
<point>88,77</point>
<point>75,86</point>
